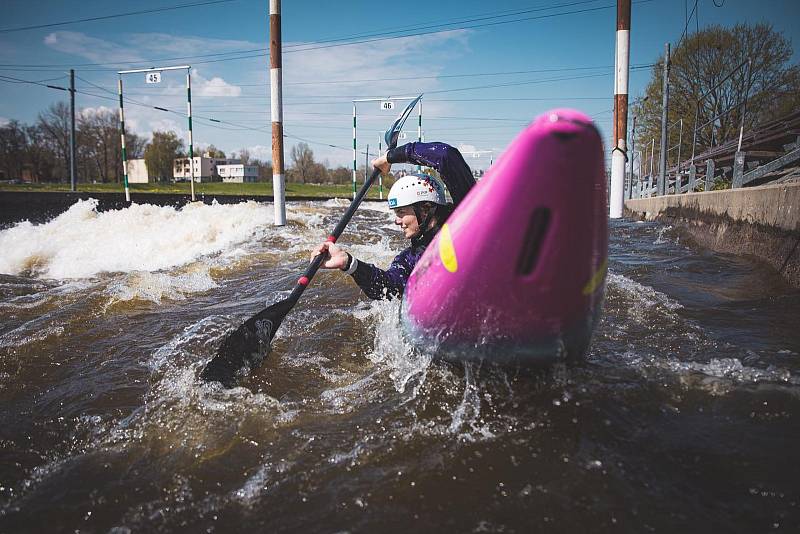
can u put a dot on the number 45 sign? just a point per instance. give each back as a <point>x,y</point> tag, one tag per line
<point>153,77</point>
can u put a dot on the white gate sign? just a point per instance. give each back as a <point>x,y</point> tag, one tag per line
<point>402,135</point>
<point>387,104</point>
<point>153,77</point>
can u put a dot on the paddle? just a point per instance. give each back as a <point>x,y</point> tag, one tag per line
<point>246,347</point>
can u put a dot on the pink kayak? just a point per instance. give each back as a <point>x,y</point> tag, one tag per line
<point>517,274</point>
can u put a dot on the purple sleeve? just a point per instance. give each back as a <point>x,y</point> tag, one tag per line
<point>454,171</point>
<point>379,284</point>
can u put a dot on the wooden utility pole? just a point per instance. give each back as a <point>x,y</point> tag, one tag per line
<point>73,178</point>
<point>276,106</point>
<point>663,187</point>
<point>621,67</point>
<point>633,156</point>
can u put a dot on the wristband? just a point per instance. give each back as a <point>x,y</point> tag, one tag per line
<point>352,264</point>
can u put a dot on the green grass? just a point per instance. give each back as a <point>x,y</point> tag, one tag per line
<point>214,188</point>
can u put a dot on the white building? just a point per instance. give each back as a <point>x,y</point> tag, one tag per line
<point>238,173</point>
<point>137,172</point>
<point>205,168</point>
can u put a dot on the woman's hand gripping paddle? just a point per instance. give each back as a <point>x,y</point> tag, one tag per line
<point>246,347</point>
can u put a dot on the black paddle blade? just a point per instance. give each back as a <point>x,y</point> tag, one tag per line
<point>393,133</point>
<point>246,347</point>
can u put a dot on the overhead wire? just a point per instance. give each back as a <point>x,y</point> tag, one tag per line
<point>106,17</point>
<point>264,49</point>
<point>288,48</point>
<point>538,17</point>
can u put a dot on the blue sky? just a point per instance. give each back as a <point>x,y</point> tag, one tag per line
<point>534,55</point>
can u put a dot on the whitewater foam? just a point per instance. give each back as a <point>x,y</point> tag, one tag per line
<point>82,242</point>
<point>154,287</point>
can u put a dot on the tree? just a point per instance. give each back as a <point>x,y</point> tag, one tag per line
<point>698,64</point>
<point>214,152</point>
<point>56,124</point>
<point>160,154</point>
<point>244,156</point>
<point>302,162</point>
<point>341,175</point>
<point>38,158</point>
<point>13,148</point>
<point>264,169</point>
<point>100,146</point>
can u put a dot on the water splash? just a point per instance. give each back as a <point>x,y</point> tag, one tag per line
<point>154,287</point>
<point>661,239</point>
<point>83,242</point>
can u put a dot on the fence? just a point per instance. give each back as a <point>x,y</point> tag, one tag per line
<point>768,152</point>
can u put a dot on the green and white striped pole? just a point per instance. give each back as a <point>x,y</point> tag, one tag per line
<point>122,135</point>
<point>419,128</point>
<point>191,139</point>
<point>380,176</point>
<point>122,115</point>
<point>354,150</point>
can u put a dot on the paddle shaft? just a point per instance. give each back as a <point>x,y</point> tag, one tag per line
<point>305,280</point>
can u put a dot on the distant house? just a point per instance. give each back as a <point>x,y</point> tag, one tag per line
<point>137,172</point>
<point>205,168</point>
<point>238,173</point>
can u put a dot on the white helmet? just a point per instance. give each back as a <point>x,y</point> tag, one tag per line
<point>415,188</point>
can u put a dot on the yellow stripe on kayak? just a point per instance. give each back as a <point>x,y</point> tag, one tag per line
<point>447,252</point>
<point>597,279</point>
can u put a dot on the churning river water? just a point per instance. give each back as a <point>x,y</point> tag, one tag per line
<point>683,418</point>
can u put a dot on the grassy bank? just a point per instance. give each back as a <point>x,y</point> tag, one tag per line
<point>215,188</point>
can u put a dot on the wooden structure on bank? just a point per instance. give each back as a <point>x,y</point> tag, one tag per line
<point>770,153</point>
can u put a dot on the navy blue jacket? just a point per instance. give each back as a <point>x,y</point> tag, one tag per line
<point>457,176</point>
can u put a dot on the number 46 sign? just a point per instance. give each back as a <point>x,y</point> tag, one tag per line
<point>153,77</point>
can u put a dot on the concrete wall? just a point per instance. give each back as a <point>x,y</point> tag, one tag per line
<point>763,222</point>
<point>777,206</point>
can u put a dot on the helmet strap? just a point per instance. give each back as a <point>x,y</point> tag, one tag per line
<point>423,222</point>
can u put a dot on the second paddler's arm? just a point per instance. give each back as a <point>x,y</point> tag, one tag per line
<point>446,159</point>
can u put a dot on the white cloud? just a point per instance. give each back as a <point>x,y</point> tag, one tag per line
<point>169,125</point>
<point>396,66</point>
<point>385,62</point>
<point>91,112</point>
<point>216,86</point>
<point>91,48</point>
<point>136,48</point>
<point>467,149</point>
<point>4,121</point>
<point>262,152</point>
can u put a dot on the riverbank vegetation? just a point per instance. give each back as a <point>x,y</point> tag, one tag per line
<point>214,188</point>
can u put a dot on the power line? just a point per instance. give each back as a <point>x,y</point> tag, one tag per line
<point>499,73</point>
<point>686,26</point>
<point>438,91</point>
<point>436,77</point>
<point>538,17</point>
<point>440,25</point>
<point>105,17</point>
<point>11,79</point>
<point>218,124</point>
<point>263,52</point>
<point>262,49</point>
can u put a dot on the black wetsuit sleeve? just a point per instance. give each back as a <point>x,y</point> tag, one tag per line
<point>379,284</point>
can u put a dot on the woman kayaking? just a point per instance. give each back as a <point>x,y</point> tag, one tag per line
<point>420,209</point>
